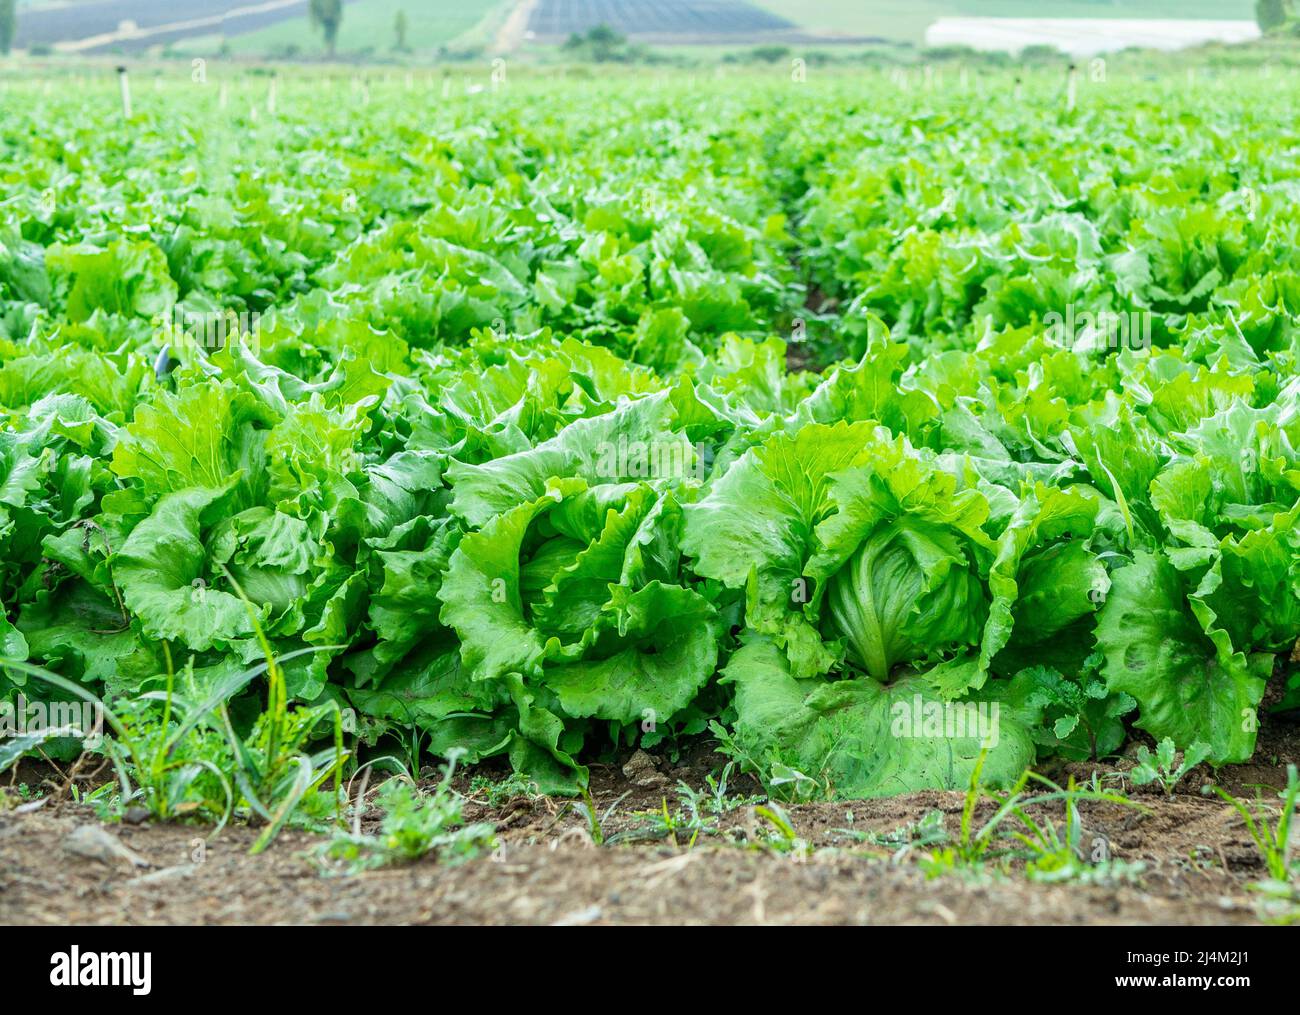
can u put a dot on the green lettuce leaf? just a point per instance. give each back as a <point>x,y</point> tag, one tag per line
<point>860,738</point>
<point>1189,686</point>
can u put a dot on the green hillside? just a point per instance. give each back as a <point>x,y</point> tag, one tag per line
<point>368,25</point>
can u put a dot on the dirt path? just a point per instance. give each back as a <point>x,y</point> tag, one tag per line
<point>549,883</point>
<point>1197,859</point>
<point>850,862</point>
<point>510,36</point>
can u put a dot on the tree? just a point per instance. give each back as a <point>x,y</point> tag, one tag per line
<point>399,29</point>
<point>601,44</point>
<point>8,22</point>
<point>326,15</point>
<point>1271,14</point>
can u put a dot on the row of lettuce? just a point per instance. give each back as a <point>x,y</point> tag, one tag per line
<point>500,419</point>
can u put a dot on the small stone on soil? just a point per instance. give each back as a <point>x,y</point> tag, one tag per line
<point>94,843</point>
<point>181,870</point>
<point>641,770</point>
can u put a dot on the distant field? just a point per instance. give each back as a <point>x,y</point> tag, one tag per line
<point>53,24</point>
<point>693,18</point>
<point>907,20</point>
<point>368,24</point>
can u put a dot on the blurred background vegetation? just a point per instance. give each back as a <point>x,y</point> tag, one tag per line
<point>662,32</point>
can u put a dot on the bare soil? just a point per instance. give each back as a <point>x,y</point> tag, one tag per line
<point>1197,855</point>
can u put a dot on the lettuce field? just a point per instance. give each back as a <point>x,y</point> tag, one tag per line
<point>881,433</point>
